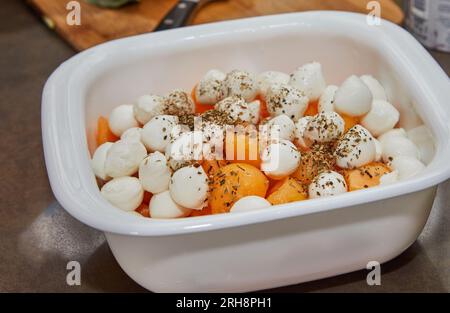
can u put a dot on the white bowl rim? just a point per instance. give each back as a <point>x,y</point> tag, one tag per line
<point>73,195</point>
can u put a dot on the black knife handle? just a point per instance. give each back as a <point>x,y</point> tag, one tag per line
<point>178,16</point>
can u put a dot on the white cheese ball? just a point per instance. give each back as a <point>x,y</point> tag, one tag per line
<point>156,133</point>
<point>398,146</point>
<point>213,136</point>
<point>185,149</point>
<point>178,102</point>
<point>324,127</point>
<point>99,159</point>
<point>353,97</point>
<point>147,107</point>
<point>133,133</point>
<point>406,166</point>
<point>326,100</point>
<point>396,132</point>
<point>189,187</point>
<point>270,78</point>
<point>121,119</point>
<point>241,84</point>
<point>300,128</point>
<point>125,193</point>
<point>423,139</point>
<point>377,90</point>
<point>162,206</point>
<point>280,159</point>
<point>249,203</point>
<point>238,109</point>
<point>327,184</point>
<point>286,99</point>
<point>381,118</point>
<point>211,88</point>
<point>389,178</point>
<point>378,149</point>
<point>124,157</point>
<point>154,173</point>
<point>309,79</point>
<point>285,125</point>
<point>356,148</point>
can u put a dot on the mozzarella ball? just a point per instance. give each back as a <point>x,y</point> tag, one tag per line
<point>409,118</point>
<point>133,133</point>
<point>422,138</point>
<point>249,203</point>
<point>286,99</point>
<point>162,206</point>
<point>285,125</point>
<point>324,127</point>
<point>377,90</point>
<point>213,129</point>
<point>124,157</point>
<point>353,98</point>
<point>356,148</point>
<point>178,103</point>
<point>300,128</point>
<point>156,133</point>
<point>154,173</point>
<point>99,159</point>
<point>211,88</point>
<point>241,84</point>
<point>122,118</point>
<point>280,159</point>
<point>398,146</point>
<point>389,178</point>
<point>185,149</point>
<point>326,100</point>
<point>147,107</point>
<point>125,193</point>
<point>309,79</point>
<point>189,187</point>
<point>378,149</point>
<point>327,184</point>
<point>381,118</point>
<point>406,166</point>
<point>267,79</point>
<point>238,109</point>
<point>396,132</point>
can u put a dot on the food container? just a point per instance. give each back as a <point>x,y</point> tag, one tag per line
<point>281,245</point>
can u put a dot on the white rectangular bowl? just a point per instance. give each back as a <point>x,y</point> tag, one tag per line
<point>285,244</point>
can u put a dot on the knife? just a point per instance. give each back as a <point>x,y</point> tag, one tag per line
<point>179,15</point>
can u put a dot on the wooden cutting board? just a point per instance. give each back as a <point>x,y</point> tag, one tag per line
<point>99,25</point>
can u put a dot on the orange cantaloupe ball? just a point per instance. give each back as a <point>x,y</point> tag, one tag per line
<point>241,148</point>
<point>317,159</point>
<point>263,111</point>
<point>143,210</point>
<point>312,109</point>
<point>306,172</point>
<point>350,121</point>
<point>273,186</point>
<point>199,107</point>
<point>289,190</point>
<point>365,176</point>
<point>233,182</point>
<point>203,212</point>
<point>212,166</point>
<point>104,133</point>
<point>147,197</point>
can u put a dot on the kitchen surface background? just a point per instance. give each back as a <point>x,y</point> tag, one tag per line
<point>38,238</point>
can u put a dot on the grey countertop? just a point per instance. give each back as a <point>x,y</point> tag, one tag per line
<point>38,238</point>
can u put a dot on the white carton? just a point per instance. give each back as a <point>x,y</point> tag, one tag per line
<point>429,21</point>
